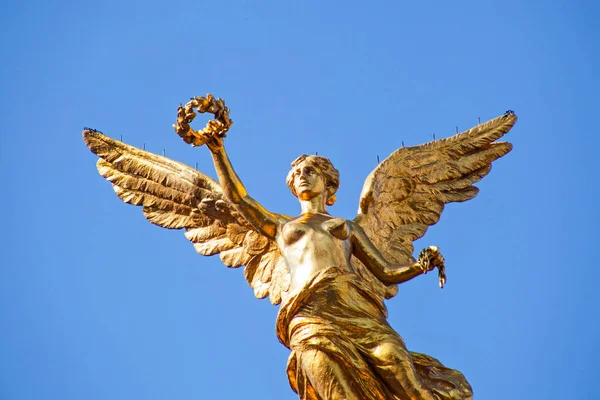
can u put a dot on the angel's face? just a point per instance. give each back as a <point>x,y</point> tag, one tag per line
<point>308,180</point>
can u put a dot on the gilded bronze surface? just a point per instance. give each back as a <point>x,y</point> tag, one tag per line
<point>330,275</point>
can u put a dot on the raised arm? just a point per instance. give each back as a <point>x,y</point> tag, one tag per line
<point>369,255</point>
<point>262,220</point>
<point>212,135</point>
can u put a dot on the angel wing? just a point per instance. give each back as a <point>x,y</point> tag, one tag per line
<point>407,192</point>
<point>176,196</point>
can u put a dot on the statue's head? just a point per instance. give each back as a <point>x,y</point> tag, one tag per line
<point>311,176</point>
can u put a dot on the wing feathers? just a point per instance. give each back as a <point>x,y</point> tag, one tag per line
<point>171,220</point>
<point>474,138</point>
<point>203,234</point>
<point>459,195</point>
<point>175,196</point>
<point>214,246</point>
<point>474,161</point>
<point>235,257</point>
<point>464,181</point>
<point>145,164</point>
<point>406,193</point>
<point>131,182</point>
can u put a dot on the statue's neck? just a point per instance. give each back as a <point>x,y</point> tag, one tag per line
<point>314,205</point>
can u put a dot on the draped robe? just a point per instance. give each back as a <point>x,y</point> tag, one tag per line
<point>343,347</point>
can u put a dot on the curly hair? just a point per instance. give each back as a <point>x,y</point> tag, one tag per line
<point>331,176</point>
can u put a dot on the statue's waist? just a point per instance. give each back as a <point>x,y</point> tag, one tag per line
<point>330,293</point>
<point>308,273</point>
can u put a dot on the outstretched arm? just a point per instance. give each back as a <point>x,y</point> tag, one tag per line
<point>387,273</point>
<point>212,135</point>
<point>262,220</point>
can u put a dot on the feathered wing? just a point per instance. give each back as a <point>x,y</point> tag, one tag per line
<point>175,196</point>
<point>406,193</point>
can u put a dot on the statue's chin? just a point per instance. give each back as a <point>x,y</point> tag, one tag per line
<point>307,194</point>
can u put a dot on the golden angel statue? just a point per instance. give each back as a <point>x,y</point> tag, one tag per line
<point>330,275</point>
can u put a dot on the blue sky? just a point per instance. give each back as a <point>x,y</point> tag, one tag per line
<point>96,303</point>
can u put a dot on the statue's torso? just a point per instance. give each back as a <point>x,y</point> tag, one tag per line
<point>313,242</point>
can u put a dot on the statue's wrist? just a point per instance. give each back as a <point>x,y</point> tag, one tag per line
<point>216,150</point>
<point>420,267</point>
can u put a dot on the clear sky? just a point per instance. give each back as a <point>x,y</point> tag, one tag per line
<point>97,303</point>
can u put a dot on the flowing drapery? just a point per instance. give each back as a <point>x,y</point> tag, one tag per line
<point>343,347</point>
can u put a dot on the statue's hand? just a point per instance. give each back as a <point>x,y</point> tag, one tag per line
<point>215,143</point>
<point>430,258</point>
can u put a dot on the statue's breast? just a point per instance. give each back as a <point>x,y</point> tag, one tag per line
<point>337,227</point>
<point>292,232</point>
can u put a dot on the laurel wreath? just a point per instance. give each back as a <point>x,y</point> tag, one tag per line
<point>216,127</point>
